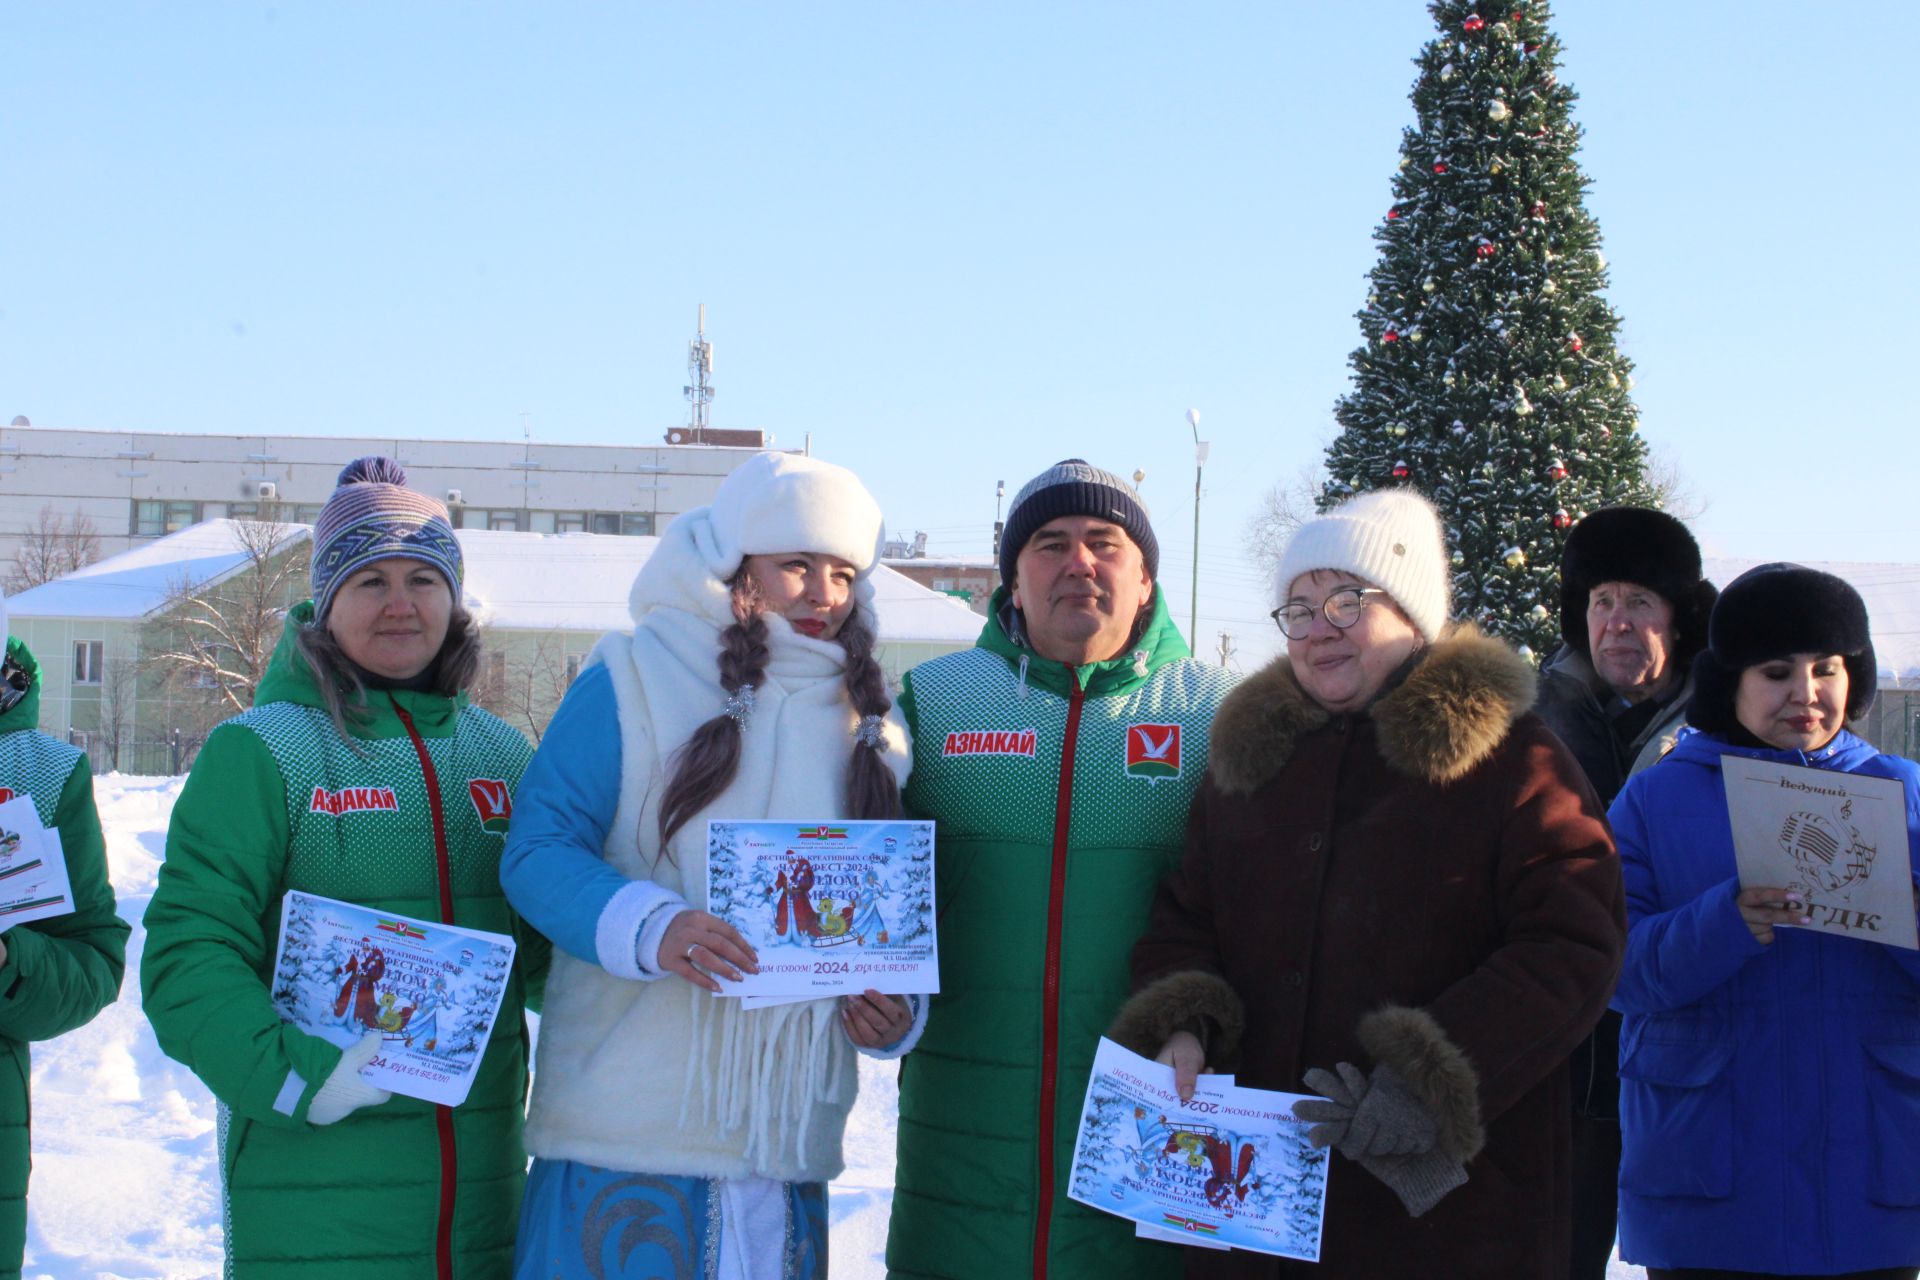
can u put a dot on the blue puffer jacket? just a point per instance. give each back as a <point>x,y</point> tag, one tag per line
<point>1770,1095</point>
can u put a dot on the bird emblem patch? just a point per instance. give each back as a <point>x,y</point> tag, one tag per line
<point>1153,751</point>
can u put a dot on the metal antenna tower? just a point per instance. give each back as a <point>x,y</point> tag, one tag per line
<point>699,388</point>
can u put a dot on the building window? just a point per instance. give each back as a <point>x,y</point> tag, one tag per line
<point>89,659</point>
<point>306,513</point>
<point>630,524</point>
<point>570,521</point>
<point>507,521</point>
<point>154,517</point>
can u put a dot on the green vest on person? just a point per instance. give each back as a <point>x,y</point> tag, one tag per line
<point>61,971</point>
<point>278,801</point>
<point>1036,922</point>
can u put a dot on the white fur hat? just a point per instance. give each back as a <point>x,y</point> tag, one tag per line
<point>1390,537</point>
<point>791,502</point>
<point>5,634</point>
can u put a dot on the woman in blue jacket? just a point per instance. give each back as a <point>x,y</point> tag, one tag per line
<point>1770,1077</point>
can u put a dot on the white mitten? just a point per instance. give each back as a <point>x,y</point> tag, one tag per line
<point>344,1092</point>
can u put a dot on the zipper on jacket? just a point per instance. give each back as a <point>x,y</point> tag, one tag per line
<point>442,1115</point>
<point>1050,998</point>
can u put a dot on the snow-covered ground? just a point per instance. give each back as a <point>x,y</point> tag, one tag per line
<point>125,1183</point>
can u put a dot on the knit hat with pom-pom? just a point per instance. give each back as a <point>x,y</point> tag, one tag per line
<point>372,515</point>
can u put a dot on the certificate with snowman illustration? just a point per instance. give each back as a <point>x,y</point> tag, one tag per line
<point>1837,839</point>
<point>431,990</point>
<point>33,866</point>
<point>832,908</point>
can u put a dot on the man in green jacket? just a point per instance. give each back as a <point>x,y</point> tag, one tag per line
<point>56,973</point>
<point>1058,757</point>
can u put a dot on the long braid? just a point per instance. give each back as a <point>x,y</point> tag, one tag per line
<point>707,762</point>
<point>872,789</point>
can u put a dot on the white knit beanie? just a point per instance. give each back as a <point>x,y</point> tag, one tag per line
<point>1390,537</point>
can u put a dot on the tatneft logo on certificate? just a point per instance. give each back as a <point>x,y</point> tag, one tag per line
<point>831,907</point>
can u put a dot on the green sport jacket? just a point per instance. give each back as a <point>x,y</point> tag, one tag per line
<point>1061,798</point>
<point>58,972</point>
<point>406,1189</point>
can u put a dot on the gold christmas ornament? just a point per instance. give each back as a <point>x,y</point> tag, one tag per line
<point>1514,557</point>
<point>1498,111</point>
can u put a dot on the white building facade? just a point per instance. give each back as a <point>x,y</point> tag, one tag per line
<point>134,486</point>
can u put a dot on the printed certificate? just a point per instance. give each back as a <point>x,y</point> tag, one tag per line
<point>33,866</point>
<point>1230,1168</point>
<point>1838,839</point>
<point>832,908</point>
<point>432,990</point>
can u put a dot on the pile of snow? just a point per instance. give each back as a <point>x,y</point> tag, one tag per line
<point>125,1176</point>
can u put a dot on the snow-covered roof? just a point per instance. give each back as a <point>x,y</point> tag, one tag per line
<point>134,583</point>
<point>580,581</point>
<point>517,581</point>
<point>1892,595</point>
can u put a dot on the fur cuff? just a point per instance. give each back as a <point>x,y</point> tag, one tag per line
<point>1193,1000</point>
<point>1434,1069</point>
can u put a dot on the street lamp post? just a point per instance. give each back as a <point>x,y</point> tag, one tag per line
<point>1199,461</point>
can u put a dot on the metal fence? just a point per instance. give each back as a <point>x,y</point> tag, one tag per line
<point>162,756</point>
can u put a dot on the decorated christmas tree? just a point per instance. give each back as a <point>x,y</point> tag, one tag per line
<point>1488,378</point>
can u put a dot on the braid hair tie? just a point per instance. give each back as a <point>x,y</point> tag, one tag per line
<point>870,732</point>
<point>739,706</point>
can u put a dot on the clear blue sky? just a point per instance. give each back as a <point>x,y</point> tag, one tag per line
<point>951,243</point>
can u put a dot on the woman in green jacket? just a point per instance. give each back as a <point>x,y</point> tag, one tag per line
<point>56,973</point>
<point>326,1175</point>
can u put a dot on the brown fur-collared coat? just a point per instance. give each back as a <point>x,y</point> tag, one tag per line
<point>1430,884</point>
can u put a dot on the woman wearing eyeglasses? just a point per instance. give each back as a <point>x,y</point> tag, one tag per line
<point>1398,892</point>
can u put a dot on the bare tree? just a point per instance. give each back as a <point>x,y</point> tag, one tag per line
<point>53,545</point>
<point>217,637</point>
<point>523,686</point>
<point>1284,508</point>
<point>119,689</point>
<point>1671,488</point>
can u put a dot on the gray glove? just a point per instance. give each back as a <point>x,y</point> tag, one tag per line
<point>1419,1180</point>
<point>1380,1117</point>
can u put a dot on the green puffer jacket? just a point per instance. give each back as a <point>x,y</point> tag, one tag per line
<point>58,972</point>
<point>406,1189</point>
<point>1040,903</point>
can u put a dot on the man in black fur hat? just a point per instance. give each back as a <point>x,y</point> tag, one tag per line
<point>1633,614</point>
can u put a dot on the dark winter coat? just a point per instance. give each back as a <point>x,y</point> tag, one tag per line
<point>1770,1094</point>
<point>1573,702</point>
<point>61,971</point>
<point>1430,885</point>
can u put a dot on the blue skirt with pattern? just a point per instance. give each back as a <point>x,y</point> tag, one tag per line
<point>581,1222</point>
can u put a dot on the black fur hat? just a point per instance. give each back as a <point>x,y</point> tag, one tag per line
<point>1639,545</point>
<point>1770,612</point>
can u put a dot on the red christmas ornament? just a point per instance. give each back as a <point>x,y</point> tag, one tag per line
<point>1540,208</point>
<point>1516,15</point>
<point>1474,22</point>
<point>1486,250</point>
<point>1393,213</point>
<point>1556,470</point>
<point>1401,471</point>
<point>1561,519</point>
<point>1534,47</point>
<point>1574,343</point>
<point>1390,336</point>
<point>1439,166</point>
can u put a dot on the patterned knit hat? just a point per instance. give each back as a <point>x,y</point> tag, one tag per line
<point>372,515</point>
<point>1391,538</point>
<point>1075,488</point>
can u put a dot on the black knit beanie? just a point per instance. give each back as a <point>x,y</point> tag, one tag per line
<point>1773,611</point>
<point>1075,488</point>
<point>1642,546</point>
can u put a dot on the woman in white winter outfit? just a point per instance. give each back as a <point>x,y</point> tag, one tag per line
<point>675,1132</point>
